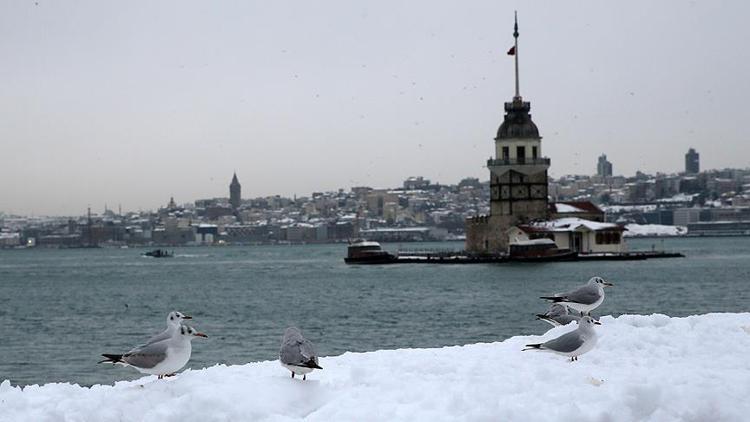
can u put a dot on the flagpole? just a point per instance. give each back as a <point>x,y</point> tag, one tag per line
<point>515,35</point>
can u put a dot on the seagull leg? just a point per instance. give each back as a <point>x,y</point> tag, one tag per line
<point>159,377</point>
<point>304,377</point>
<point>292,374</point>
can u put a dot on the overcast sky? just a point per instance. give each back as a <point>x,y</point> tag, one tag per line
<point>133,102</point>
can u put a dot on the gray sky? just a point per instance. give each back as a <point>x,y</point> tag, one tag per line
<point>132,102</point>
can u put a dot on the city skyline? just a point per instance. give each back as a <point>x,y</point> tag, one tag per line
<point>114,106</point>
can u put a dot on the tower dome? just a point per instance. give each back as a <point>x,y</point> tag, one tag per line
<point>517,122</point>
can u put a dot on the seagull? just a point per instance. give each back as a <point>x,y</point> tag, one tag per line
<point>557,315</point>
<point>297,353</point>
<point>161,358</point>
<point>584,299</point>
<point>573,343</point>
<point>174,321</point>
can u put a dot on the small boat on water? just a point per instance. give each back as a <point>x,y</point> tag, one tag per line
<point>365,252</point>
<point>539,250</point>
<point>159,253</point>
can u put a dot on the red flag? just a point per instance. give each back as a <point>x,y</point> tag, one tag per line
<point>512,51</point>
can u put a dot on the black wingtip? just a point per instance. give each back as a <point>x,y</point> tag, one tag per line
<point>532,347</point>
<point>109,358</point>
<point>552,298</point>
<point>312,364</point>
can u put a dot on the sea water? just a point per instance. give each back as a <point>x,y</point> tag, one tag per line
<point>60,309</point>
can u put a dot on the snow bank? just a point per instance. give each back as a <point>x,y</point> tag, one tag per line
<point>636,230</point>
<point>653,368</point>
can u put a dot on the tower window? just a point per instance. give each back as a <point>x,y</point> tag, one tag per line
<point>506,153</point>
<point>521,154</point>
<point>534,153</point>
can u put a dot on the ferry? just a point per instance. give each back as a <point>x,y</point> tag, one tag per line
<point>159,253</point>
<point>366,252</point>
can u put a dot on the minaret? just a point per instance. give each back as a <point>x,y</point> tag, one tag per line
<point>518,174</point>
<point>235,195</point>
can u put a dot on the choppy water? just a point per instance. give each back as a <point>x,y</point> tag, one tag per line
<point>60,309</point>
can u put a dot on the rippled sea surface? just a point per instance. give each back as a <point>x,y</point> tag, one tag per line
<point>60,309</point>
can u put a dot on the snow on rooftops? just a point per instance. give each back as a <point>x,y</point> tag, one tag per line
<point>615,209</point>
<point>571,223</point>
<point>565,208</point>
<point>575,207</point>
<point>643,368</point>
<point>635,230</point>
<point>680,197</point>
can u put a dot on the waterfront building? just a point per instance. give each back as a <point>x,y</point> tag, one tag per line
<point>604,166</point>
<point>235,192</point>
<point>518,176</point>
<point>576,234</point>
<point>692,162</point>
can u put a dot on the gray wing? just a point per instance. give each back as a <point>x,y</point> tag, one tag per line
<point>290,353</point>
<point>556,310</point>
<point>159,337</point>
<point>585,295</point>
<point>147,356</point>
<point>566,343</point>
<point>296,350</point>
<point>307,350</point>
<point>154,339</point>
<point>566,319</point>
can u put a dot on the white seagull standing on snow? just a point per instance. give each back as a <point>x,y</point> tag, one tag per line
<point>572,344</point>
<point>297,353</point>
<point>583,299</point>
<point>163,357</point>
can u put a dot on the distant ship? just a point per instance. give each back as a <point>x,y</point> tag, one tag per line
<point>159,253</point>
<point>366,252</point>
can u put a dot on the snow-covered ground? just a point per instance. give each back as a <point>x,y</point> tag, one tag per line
<point>636,230</point>
<point>653,368</point>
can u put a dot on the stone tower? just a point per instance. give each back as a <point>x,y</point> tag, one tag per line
<point>235,192</point>
<point>518,177</point>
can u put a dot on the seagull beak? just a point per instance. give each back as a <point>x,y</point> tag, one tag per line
<point>201,335</point>
<point>187,317</point>
<point>597,323</point>
<point>608,284</point>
